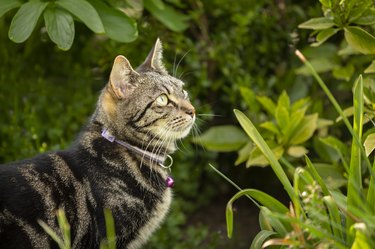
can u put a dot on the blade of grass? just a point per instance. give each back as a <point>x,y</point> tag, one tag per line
<point>355,176</point>
<point>260,238</point>
<point>261,197</point>
<point>110,229</point>
<point>371,192</point>
<point>253,133</point>
<point>64,227</point>
<point>336,106</point>
<point>335,217</point>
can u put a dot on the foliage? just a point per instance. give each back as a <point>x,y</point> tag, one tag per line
<point>98,15</point>
<point>319,216</point>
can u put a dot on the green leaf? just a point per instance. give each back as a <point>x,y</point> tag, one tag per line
<point>110,229</point>
<point>284,100</point>
<point>6,5</point>
<point>317,23</point>
<point>257,158</point>
<point>371,68</point>
<point>222,138</point>
<point>305,129</point>
<point>297,151</point>
<point>320,65</point>
<point>117,25</point>
<point>343,73</point>
<point>369,144</point>
<point>249,97</point>
<point>360,40</point>
<point>260,238</point>
<point>282,117</point>
<point>360,241</point>
<point>60,27</point>
<point>253,133</point>
<point>367,18</point>
<point>244,153</point>
<point>24,21</point>
<point>268,125</point>
<point>264,199</point>
<point>174,20</point>
<point>334,217</point>
<point>84,11</point>
<point>267,104</point>
<point>324,35</point>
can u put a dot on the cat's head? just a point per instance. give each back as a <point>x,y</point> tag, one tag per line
<point>146,104</point>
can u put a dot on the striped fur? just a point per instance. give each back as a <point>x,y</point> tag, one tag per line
<point>94,174</point>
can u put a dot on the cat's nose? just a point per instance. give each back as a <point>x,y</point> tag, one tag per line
<point>190,111</point>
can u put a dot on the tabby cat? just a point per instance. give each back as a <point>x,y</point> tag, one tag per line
<point>117,162</point>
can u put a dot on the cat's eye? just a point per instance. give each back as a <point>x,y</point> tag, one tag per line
<point>162,100</point>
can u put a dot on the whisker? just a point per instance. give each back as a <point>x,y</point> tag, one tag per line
<point>178,64</point>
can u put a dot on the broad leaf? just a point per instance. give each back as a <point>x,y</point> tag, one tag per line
<point>223,138</point>
<point>244,153</point>
<point>305,130</point>
<point>257,158</point>
<point>360,40</point>
<point>117,25</point>
<point>60,27</point>
<point>267,104</point>
<point>324,35</point>
<point>367,18</point>
<point>6,5</point>
<point>84,11</point>
<point>270,126</point>
<point>317,23</point>
<point>370,144</point>
<point>282,117</point>
<point>167,15</point>
<point>284,100</point>
<point>23,23</point>
<point>297,151</point>
<point>371,68</point>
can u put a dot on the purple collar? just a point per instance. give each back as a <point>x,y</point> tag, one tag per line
<point>159,159</point>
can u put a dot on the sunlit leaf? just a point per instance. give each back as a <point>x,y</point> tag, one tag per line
<point>23,23</point>
<point>297,151</point>
<point>257,158</point>
<point>305,129</point>
<point>60,27</point>
<point>324,35</point>
<point>360,40</point>
<point>370,144</point>
<point>244,153</point>
<point>317,23</point>
<point>371,68</point>
<point>267,104</point>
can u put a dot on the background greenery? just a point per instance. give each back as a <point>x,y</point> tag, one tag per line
<point>231,54</point>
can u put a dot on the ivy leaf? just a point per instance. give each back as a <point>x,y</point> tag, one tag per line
<point>317,23</point>
<point>84,11</point>
<point>60,27</point>
<point>6,5</point>
<point>168,16</point>
<point>117,25</point>
<point>23,23</point>
<point>360,40</point>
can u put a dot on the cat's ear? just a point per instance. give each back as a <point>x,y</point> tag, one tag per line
<point>122,77</point>
<point>154,60</point>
